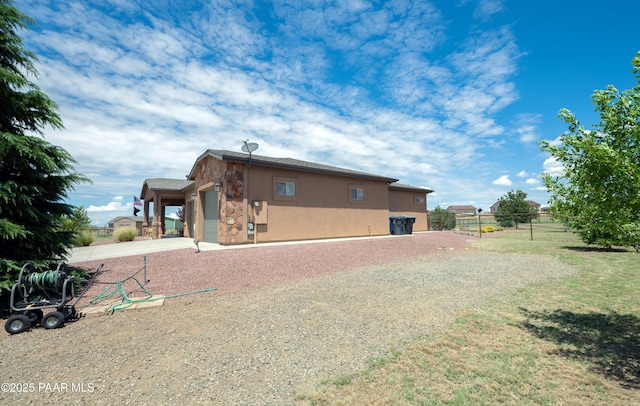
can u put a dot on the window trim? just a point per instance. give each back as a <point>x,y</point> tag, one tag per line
<point>357,186</point>
<point>289,188</point>
<point>282,179</point>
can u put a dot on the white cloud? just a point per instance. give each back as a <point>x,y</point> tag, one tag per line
<point>526,127</point>
<point>556,142</point>
<point>522,174</point>
<point>487,8</point>
<point>532,181</point>
<point>503,181</point>
<point>114,205</point>
<point>553,167</point>
<point>344,84</point>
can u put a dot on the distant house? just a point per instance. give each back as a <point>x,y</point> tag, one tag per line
<point>125,221</point>
<point>494,207</point>
<point>237,198</point>
<point>461,210</point>
<point>171,224</point>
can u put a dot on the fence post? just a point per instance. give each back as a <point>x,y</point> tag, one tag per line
<point>531,226</point>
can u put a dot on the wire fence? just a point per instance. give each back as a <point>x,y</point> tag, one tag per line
<point>480,224</point>
<point>101,231</point>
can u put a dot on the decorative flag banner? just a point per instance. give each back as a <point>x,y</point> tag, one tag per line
<point>136,202</point>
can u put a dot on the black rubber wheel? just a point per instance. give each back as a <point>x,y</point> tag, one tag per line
<point>52,320</point>
<point>69,312</point>
<point>35,316</point>
<point>17,324</point>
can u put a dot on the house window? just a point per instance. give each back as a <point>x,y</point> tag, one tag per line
<point>357,193</point>
<point>286,189</point>
<point>419,200</point>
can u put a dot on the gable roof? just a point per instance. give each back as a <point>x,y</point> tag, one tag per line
<point>132,218</point>
<point>400,186</point>
<point>285,163</point>
<point>166,184</point>
<point>472,208</point>
<point>175,186</point>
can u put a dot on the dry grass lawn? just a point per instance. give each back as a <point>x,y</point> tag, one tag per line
<point>574,341</point>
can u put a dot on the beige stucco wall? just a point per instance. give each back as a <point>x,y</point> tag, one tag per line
<point>321,209</point>
<point>403,203</point>
<point>127,223</point>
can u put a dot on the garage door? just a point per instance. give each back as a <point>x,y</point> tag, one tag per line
<point>210,216</point>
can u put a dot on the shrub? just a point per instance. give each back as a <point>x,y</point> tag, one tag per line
<point>125,234</point>
<point>84,238</point>
<point>81,276</point>
<point>440,219</point>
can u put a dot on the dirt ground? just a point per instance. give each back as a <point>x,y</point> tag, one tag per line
<point>281,321</point>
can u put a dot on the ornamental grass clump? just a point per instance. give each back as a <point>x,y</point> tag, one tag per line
<point>84,239</point>
<point>125,234</point>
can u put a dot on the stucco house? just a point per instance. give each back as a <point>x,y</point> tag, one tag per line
<point>237,198</point>
<point>125,221</point>
<point>494,207</point>
<point>462,209</point>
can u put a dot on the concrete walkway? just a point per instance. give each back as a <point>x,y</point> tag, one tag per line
<point>123,249</point>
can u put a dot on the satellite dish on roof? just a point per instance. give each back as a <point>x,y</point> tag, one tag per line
<point>249,147</point>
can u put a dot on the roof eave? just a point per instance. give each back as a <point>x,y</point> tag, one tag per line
<point>259,162</point>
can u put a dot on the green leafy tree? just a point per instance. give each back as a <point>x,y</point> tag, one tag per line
<point>514,208</point>
<point>77,221</point>
<point>79,224</point>
<point>441,219</point>
<point>598,194</point>
<point>35,176</point>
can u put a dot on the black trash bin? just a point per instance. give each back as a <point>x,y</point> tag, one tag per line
<point>408,224</point>
<point>397,225</point>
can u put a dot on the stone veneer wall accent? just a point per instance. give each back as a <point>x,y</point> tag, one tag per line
<point>231,205</point>
<point>230,175</point>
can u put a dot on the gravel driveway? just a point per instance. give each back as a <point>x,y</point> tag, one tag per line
<point>283,318</point>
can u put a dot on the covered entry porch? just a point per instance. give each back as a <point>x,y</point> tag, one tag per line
<point>161,193</point>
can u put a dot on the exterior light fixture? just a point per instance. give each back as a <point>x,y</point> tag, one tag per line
<point>217,187</point>
<point>193,196</point>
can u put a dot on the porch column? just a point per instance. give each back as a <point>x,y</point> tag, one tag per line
<point>156,225</point>
<point>145,219</point>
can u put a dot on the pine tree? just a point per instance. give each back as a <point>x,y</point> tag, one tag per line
<point>35,176</point>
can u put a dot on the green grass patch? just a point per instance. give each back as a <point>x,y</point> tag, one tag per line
<point>574,340</point>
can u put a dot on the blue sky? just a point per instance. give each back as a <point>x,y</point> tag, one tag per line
<point>448,94</point>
